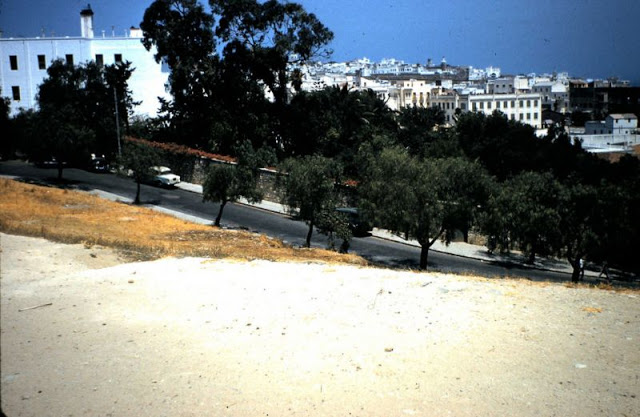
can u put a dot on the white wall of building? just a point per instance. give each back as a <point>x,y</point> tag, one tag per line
<point>524,108</point>
<point>621,124</point>
<point>147,82</point>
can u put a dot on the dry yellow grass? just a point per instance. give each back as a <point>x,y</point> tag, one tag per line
<point>140,233</point>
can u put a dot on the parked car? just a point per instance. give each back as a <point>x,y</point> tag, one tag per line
<point>357,226</point>
<point>50,162</point>
<point>98,163</point>
<point>164,177</point>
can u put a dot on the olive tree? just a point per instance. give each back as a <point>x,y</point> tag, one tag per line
<point>308,189</point>
<point>226,183</point>
<point>426,200</point>
<point>139,158</point>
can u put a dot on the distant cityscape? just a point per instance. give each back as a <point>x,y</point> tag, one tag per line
<point>538,100</point>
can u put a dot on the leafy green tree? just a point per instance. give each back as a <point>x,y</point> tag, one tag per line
<point>222,184</point>
<point>335,224</point>
<point>424,199</point>
<point>526,213</point>
<point>505,147</point>
<point>76,113</point>
<point>104,88</point>
<point>626,175</point>
<point>116,78</point>
<point>308,188</point>
<point>335,122</point>
<point>220,72</point>
<point>581,225</point>
<point>267,37</point>
<point>226,183</point>
<point>139,158</point>
<point>182,33</point>
<point>417,128</point>
<point>63,129</point>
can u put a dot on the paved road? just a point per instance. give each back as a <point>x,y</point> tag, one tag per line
<point>376,250</point>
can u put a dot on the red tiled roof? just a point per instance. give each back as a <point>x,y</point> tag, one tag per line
<point>181,149</point>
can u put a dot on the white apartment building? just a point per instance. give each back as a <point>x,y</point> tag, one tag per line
<point>522,107</point>
<point>404,93</point>
<point>621,124</point>
<point>555,95</point>
<point>525,108</point>
<point>614,124</point>
<point>508,85</point>
<point>24,63</point>
<point>618,132</point>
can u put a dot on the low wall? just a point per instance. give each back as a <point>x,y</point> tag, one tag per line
<point>192,165</point>
<point>606,141</point>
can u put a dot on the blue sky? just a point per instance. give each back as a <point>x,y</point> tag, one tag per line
<point>588,38</point>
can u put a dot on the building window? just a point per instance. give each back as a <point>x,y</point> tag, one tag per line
<point>528,116</point>
<point>489,105</point>
<point>521,103</point>
<point>497,104</point>
<point>513,104</point>
<point>535,103</point>
<point>13,62</point>
<point>528,103</point>
<point>42,62</point>
<point>482,105</point>
<point>15,91</point>
<point>117,58</point>
<point>69,59</point>
<point>99,59</point>
<point>463,106</point>
<point>474,107</point>
<point>521,116</point>
<point>535,116</point>
<point>513,117</point>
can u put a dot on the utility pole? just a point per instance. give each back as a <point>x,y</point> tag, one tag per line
<point>115,99</point>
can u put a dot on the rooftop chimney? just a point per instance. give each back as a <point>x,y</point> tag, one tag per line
<point>86,22</point>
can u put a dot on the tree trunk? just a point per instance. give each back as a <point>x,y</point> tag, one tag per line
<point>59,170</point>
<point>137,200</point>
<point>222,204</point>
<point>308,243</point>
<point>424,255</point>
<point>575,273</point>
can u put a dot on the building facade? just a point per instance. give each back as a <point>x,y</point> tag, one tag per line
<point>24,63</point>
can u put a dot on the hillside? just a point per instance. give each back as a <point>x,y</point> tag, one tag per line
<point>86,333</point>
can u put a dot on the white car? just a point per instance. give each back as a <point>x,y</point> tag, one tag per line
<point>163,176</point>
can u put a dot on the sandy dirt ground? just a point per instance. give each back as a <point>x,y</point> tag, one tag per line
<point>195,337</point>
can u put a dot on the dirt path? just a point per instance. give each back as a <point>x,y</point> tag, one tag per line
<point>192,337</point>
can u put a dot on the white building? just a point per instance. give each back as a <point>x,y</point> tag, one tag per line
<point>522,107</point>
<point>621,124</point>
<point>555,95</point>
<point>618,132</point>
<point>525,108</point>
<point>614,124</point>
<point>24,62</point>
<point>508,85</point>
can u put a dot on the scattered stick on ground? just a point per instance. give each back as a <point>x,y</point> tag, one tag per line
<point>34,307</point>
